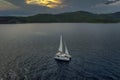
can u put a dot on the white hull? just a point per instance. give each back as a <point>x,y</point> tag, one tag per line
<point>62,58</point>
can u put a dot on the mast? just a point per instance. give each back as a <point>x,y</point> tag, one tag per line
<point>66,50</point>
<point>61,44</point>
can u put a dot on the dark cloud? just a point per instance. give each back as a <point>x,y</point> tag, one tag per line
<point>69,5</point>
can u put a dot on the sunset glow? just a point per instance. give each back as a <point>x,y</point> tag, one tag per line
<point>46,3</point>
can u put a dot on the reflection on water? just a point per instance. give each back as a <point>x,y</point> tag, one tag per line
<point>27,52</point>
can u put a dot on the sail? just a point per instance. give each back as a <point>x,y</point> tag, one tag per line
<point>66,50</point>
<point>61,44</point>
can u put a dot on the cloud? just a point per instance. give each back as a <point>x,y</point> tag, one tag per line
<point>5,5</point>
<point>115,3</point>
<point>46,3</point>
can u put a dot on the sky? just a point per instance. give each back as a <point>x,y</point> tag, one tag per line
<point>31,7</point>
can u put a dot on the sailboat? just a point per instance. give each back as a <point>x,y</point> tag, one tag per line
<point>62,54</point>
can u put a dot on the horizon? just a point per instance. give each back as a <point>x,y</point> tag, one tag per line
<point>54,14</point>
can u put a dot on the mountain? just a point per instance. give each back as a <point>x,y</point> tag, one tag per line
<point>69,17</point>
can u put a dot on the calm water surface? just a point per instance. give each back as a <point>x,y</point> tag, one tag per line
<point>27,51</point>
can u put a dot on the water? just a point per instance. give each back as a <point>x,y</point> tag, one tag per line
<point>27,51</point>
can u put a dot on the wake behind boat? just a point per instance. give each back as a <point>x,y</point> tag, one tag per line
<point>62,55</point>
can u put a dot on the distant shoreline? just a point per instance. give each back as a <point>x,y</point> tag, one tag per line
<point>71,17</point>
